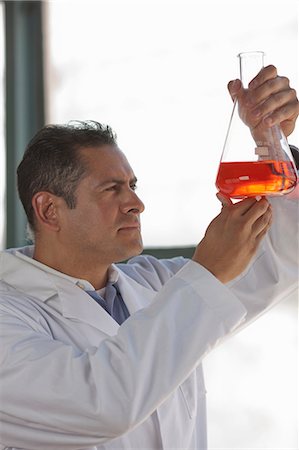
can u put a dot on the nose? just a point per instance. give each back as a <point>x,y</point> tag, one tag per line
<point>132,204</point>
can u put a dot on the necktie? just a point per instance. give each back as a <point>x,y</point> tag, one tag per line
<point>113,303</point>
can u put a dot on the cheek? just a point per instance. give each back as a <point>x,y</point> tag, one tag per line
<point>90,216</point>
<point>93,219</point>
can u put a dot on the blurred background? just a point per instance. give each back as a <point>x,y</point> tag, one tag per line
<point>156,71</point>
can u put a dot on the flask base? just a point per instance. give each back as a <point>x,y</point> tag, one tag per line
<point>252,178</point>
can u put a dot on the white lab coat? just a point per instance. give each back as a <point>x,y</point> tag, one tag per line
<point>72,378</point>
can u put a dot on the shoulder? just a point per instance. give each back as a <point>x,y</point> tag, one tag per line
<point>12,300</point>
<point>17,307</point>
<point>150,271</point>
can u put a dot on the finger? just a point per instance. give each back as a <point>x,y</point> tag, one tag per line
<point>267,73</point>
<point>278,100</point>
<point>257,209</point>
<point>285,112</point>
<point>263,233</point>
<point>268,89</point>
<point>283,101</point>
<point>234,87</point>
<point>242,207</point>
<point>263,222</point>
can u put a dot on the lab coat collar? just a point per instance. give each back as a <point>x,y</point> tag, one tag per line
<point>26,253</point>
<point>75,303</point>
<point>85,309</point>
<point>20,274</point>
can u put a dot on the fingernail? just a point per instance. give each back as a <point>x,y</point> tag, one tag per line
<point>258,198</point>
<point>235,86</point>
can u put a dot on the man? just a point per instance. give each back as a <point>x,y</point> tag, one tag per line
<point>96,355</point>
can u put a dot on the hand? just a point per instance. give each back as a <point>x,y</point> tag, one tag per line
<point>233,237</point>
<point>269,100</point>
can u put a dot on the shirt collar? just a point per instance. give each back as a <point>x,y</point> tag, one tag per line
<point>26,254</point>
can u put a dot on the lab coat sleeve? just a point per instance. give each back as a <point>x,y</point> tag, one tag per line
<point>273,273</point>
<point>55,397</point>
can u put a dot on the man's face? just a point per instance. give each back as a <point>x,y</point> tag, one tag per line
<point>105,224</point>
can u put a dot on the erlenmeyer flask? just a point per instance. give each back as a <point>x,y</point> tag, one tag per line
<point>258,161</point>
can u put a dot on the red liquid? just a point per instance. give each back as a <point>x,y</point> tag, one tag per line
<point>248,179</point>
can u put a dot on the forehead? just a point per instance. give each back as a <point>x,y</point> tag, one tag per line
<point>105,161</point>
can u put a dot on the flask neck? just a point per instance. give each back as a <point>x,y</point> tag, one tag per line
<point>250,65</point>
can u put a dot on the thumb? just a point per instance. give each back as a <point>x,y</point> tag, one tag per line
<point>234,87</point>
<point>226,201</point>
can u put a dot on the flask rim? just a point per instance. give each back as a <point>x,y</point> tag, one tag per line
<point>251,54</point>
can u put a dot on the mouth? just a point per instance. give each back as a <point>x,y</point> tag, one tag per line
<point>130,228</point>
<point>135,226</point>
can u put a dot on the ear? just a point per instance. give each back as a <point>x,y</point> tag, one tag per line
<point>45,209</point>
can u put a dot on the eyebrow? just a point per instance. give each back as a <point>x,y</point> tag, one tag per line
<point>133,180</point>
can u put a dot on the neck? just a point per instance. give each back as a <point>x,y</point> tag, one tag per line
<point>74,266</point>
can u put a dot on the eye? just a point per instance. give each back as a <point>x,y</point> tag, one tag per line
<point>133,186</point>
<point>111,188</point>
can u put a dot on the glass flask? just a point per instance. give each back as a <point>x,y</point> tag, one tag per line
<point>257,161</point>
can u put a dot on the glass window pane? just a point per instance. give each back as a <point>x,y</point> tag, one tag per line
<point>157,73</point>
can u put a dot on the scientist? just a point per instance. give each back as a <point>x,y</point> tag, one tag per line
<point>99,355</point>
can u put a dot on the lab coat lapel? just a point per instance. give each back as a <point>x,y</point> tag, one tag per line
<point>78,305</point>
<point>75,303</point>
<point>134,294</point>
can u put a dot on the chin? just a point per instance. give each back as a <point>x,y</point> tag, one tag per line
<point>129,253</point>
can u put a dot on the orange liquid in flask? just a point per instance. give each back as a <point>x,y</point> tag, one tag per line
<point>248,179</point>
